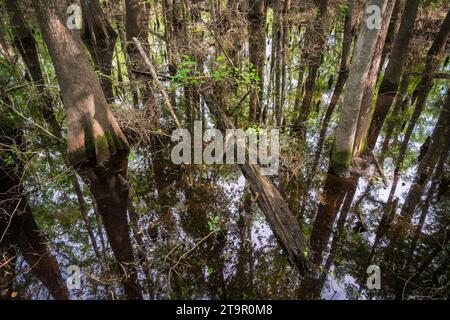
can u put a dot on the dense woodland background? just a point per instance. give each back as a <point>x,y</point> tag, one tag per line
<point>86,177</point>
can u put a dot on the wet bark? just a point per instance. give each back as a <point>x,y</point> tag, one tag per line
<point>97,146</point>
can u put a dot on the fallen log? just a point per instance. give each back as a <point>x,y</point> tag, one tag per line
<point>283,223</point>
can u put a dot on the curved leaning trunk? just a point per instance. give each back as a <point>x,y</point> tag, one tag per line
<point>97,146</point>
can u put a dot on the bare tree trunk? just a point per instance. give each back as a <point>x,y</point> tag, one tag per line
<point>100,39</point>
<point>257,55</point>
<point>443,159</point>
<point>97,146</point>
<point>314,42</point>
<point>136,25</point>
<point>391,123</point>
<point>340,82</point>
<point>389,85</point>
<point>26,46</point>
<point>342,154</point>
<point>367,99</point>
<point>8,261</point>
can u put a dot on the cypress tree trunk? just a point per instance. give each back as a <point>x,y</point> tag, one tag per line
<point>97,146</point>
<point>342,154</point>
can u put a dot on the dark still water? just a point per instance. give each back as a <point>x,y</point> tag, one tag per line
<point>200,234</point>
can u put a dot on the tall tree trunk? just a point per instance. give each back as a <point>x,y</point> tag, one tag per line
<point>342,154</point>
<point>396,112</point>
<point>97,146</point>
<point>136,25</point>
<point>100,39</point>
<point>367,99</point>
<point>336,189</point>
<point>314,42</point>
<point>340,82</point>
<point>389,85</point>
<point>26,45</point>
<point>257,55</point>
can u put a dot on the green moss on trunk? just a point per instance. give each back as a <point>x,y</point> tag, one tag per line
<point>340,160</point>
<point>100,149</point>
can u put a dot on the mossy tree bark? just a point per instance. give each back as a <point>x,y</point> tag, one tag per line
<point>342,153</point>
<point>367,99</point>
<point>348,33</point>
<point>26,45</point>
<point>97,146</point>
